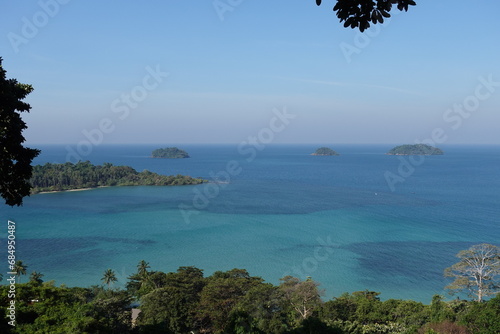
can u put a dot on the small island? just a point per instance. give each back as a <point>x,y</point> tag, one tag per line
<point>324,151</point>
<point>169,153</point>
<point>84,175</point>
<point>415,149</point>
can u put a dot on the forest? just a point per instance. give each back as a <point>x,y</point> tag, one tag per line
<point>233,301</point>
<point>68,176</point>
<point>324,151</point>
<point>415,149</point>
<point>169,153</point>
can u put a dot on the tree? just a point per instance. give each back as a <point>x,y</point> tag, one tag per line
<point>47,309</point>
<point>20,269</point>
<point>36,278</point>
<point>219,297</point>
<point>15,160</point>
<point>171,308</point>
<point>359,13</point>
<point>264,306</point>
<point>138,281</point>
<point>109,277</point>
<point>111,311</point>
<point>477,271</point>
<point>302,296</point>
<point>484,318</point>
<point>142,268</point>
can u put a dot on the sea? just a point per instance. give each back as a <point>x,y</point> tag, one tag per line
<point>362,220</point>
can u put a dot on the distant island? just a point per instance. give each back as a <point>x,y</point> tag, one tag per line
<point>324,151</point>
<point>415,149</point>
<point>169,153</point>
<point>84,175</point>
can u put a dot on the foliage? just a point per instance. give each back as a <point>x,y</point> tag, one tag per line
<point>46,308</point>
<point>356,327</point>
<point>302,296</point>
<point>232,302</point>
<point>20,269</point>
<point>138,281</point>
<point>445,327</point>
<point>325,151</point>
<point>169,153</point>
<point>265,309</point>
<point>111,311</point>
<point>15,159</point>
<point>483,318</point>
<point>171,308</point>
<point>219,297</point>
<point>478,271</point>
<point>59,177</point>
<point>36,278</point>
<point>416,149</point>
<point>109,277</point>
<point>359,13</point>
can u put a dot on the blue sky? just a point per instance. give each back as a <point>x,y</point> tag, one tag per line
<point>228,71</point>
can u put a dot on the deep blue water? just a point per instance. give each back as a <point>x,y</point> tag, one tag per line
<point>335,219</point>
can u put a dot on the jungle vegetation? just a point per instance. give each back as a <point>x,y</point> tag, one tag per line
<point>324,151</point>
<point>69,176</point>
<point>415,149</point>
<point>234,302</point>
<point>169,153</point>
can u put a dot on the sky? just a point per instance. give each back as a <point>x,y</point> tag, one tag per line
<point>224,71</point>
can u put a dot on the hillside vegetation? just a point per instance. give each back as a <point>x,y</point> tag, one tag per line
<point>416,149</point>
<point>169,153</point>
<point>69,176</point>
<point>230,302</point>
<point>324,151</point>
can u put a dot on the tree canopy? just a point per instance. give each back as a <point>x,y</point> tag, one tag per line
<point>58,177</point>
<point>325,151</point>
<point>360,13</point>
<point>15,159</point>
<point>415,149</point>
<point>230,301</point>
<point>477,272</point>
<point>169,153</point>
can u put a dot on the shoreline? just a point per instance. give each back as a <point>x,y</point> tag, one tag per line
<point>69,190</point>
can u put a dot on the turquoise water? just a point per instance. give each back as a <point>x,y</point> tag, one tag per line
<point>332,218</point>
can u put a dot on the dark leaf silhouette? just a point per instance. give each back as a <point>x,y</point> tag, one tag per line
<point>359,13</point>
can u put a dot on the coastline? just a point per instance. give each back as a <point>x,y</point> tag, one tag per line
<point>333,211</point>
<point>324,155</point>
<point>69,190</point>
<point>426,154</point>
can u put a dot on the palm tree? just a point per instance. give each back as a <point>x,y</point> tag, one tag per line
<point>20,269</point>
<point>140,279</point>
<point>36,278</point>
<point>142,268</point>
<point>109,277</point>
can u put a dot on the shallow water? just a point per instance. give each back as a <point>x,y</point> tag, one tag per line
<point>335,219</point>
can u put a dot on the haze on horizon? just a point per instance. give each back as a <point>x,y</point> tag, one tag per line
<point>170,72</point>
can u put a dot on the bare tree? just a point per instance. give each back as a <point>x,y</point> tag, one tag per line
<point>302,296</point>
<point>478,271</point>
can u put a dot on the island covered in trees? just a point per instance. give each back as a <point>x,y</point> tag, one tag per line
<point>169,153</point>
<point>83,175</point>
<point>324,151</point>
<point>415,149</point>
